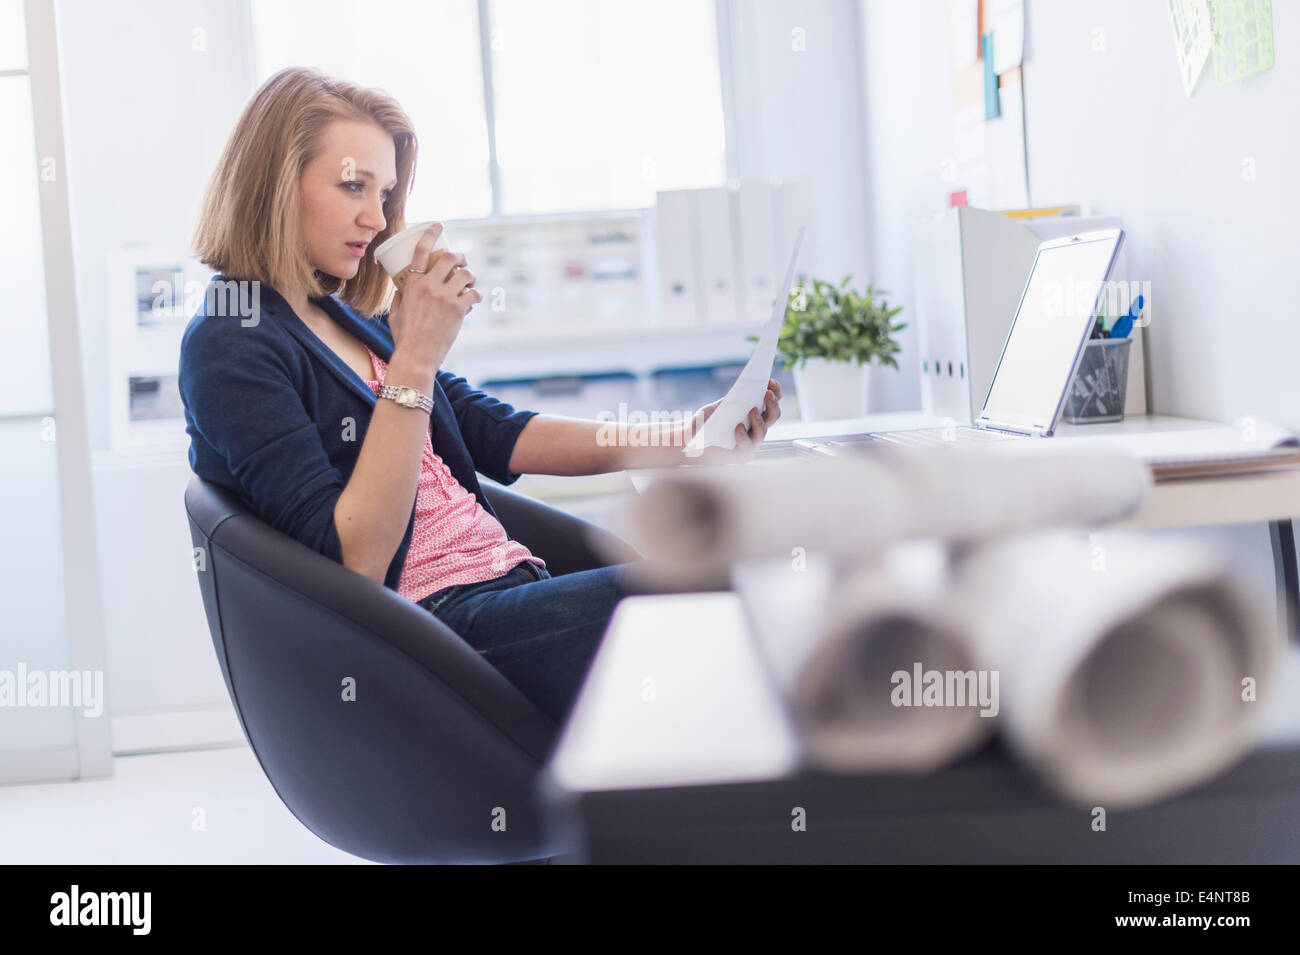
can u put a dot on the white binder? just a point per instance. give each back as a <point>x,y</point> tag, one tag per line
<point>759,242</point>
<point>679,273</point>
<point>718,234</point>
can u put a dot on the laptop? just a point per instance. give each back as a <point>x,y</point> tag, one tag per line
<point>1042,351</point>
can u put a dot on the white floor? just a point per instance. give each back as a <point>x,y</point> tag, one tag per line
<point>210,806</point>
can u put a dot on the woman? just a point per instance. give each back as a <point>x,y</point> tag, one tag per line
<point>286,405</point>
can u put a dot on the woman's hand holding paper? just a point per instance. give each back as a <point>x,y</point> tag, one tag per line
<point>748,435</point>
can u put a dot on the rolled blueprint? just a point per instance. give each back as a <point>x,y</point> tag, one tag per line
<point>692,522</point>
<point>1130,671</point>
<point>875,676</point>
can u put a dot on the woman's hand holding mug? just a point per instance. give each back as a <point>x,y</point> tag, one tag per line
<point>434,294</point>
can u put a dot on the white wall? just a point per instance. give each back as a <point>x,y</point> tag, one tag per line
<point>907,97</point>
<point>146,115</point>
<point>1217,249</point>
<point>1114,130</point>
<point>148,103</point>
<point>799,108</point>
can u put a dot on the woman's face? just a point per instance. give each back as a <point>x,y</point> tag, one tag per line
<point>343,192</point>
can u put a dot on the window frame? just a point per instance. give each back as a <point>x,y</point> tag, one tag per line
<point>90,751</point>
<point>723,20</point>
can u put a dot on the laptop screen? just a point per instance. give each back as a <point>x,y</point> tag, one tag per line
<point>1054,319</point>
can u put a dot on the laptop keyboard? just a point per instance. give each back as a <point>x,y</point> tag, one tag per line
<point>946,436</point>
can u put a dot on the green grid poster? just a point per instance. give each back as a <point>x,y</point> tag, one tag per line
<point>1243,38</point>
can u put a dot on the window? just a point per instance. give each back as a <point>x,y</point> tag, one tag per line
<point>599,104</point>
<point>593,104</point>
<point>425,54</point>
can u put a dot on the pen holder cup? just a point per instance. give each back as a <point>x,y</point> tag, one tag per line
<point>1097,392</point>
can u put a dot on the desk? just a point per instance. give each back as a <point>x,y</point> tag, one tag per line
<point>1271,497</point>
<point>677,751</point>
<point>1186,502</point>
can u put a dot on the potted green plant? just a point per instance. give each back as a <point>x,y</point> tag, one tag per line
<point>834,334</point>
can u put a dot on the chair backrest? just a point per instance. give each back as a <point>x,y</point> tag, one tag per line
<point>382,731</point>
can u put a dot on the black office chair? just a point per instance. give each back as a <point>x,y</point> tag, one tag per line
<point>383,732</point>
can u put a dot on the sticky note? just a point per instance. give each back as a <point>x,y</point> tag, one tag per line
<point>990,78</point>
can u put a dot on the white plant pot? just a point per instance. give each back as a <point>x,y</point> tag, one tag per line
<point>831,389</point>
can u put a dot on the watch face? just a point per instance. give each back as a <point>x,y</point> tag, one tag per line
<point>407,397</point>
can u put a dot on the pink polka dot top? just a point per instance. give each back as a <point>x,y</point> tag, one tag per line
<point>455,541</point>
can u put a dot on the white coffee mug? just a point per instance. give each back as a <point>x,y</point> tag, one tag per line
<point>397,252</point>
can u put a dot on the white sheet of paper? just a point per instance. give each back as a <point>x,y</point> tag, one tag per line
<point>964,24</point>
<point>748,390</point>
<point>1249,438</point>
<point>1005,19</point>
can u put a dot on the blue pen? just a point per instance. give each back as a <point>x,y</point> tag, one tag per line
<point>1122,327</point>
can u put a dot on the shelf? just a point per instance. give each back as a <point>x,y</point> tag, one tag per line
<point>472,341</point>
<point>577,351</point>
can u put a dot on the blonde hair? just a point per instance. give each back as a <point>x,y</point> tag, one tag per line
<point>249,225</point>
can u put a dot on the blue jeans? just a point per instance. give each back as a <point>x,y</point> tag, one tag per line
<point>541,632</point>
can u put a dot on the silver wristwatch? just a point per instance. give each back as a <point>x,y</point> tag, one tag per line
<point>407,397</point>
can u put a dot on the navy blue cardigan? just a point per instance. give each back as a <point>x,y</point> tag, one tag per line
<point>277,417</point>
